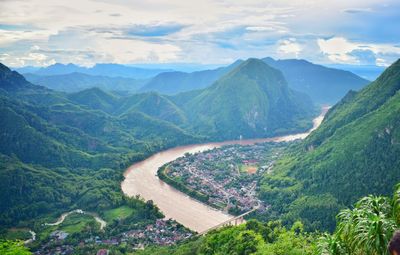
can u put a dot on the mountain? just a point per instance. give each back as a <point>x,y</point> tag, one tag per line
<point>12,80</point>
<point>324,85</point>
<point>253,100</point>
<point>110,70</point>
<point>26,69</point>
<point>171,83</point>
<point>153,104</point>
<point>59,151</point>
<point>369,72</point>
<point>73,82</point>
<point>355,152</point>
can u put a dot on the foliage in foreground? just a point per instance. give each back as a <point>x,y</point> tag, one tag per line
<point>251,238</point>
<point>8,247</point>
<point>366,229</point>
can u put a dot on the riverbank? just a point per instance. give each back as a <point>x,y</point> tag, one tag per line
<point>141,179</point>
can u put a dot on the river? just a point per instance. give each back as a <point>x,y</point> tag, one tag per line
<point>141,179</point>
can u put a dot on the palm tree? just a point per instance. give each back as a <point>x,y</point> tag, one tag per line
<point>366,229</point>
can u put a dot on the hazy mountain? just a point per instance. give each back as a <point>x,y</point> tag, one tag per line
<point>170,83</point>
<point>73,82</point>
<point>355,152</point>
<point>253,100</point>
<point>26,69</point>
<point>111,70</point>
<point>324,85</point>
<point>369,72</point>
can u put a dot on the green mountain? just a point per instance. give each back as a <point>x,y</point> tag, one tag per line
<point>324,85</point>
<point>60,151</point>
<point>353,153</point>
<point>155,105</point>
<point>171,83</point>
<point>253,100</point>
<point>73,82</point>
<point>95,98</point>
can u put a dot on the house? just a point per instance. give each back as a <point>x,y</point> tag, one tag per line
<point>59,235</point>
<point>102,252</point>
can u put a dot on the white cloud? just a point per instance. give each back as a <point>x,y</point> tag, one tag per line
<point>209,31</point>
<point>289,48</point>
<point>341,50</point>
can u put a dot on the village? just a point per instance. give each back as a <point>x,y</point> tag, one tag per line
<point>227,176</point>
<point>161,232</point>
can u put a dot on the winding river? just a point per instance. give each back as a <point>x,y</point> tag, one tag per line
<point>141,179</point>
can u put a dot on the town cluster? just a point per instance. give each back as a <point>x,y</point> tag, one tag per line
<point>161,232</point>
<point>227,176</point>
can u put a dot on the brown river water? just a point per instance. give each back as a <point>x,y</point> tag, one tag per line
<point>141,179</point>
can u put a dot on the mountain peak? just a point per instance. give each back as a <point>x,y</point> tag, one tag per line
<point>12,80</point>
<point>4,68</point>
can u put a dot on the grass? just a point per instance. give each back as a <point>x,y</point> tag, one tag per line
<point>248,169</point>
<point>75,223</point>
<point>17,234</point>
<point>118,213</point>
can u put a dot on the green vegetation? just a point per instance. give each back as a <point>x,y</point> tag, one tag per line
<point>170,83</point>
<point>250,238</point>
<point>13,248</point>
<point>365,229</point>
<point>353,153</point>
<point>74,82</point>
<point>118,213</point>
<point>77,222</point>
<point>61,152</point>
<point>253,100</point>
<point>16,234</point>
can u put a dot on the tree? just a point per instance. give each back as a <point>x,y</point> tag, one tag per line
<point>366,229</point>
<point>8,247</point>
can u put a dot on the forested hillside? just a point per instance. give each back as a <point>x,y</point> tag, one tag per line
<point>57,153</point>
<point>58,149</point>
<point>353,153</point>
<point>365,229</point>
<point>74,82</point>
<point>253,100</point>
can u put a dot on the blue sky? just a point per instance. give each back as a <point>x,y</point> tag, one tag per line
<point>85,32</point>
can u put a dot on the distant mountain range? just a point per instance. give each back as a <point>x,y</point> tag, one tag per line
<point>324,85</point>
<point>111,70</point>
<point>74,82</point>
<point>171,83</point>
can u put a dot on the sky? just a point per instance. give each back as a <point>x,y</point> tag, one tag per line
<point>85,32</point>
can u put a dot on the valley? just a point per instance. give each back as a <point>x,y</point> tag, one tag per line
<point>199,127</point>
<point>141,179</point>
